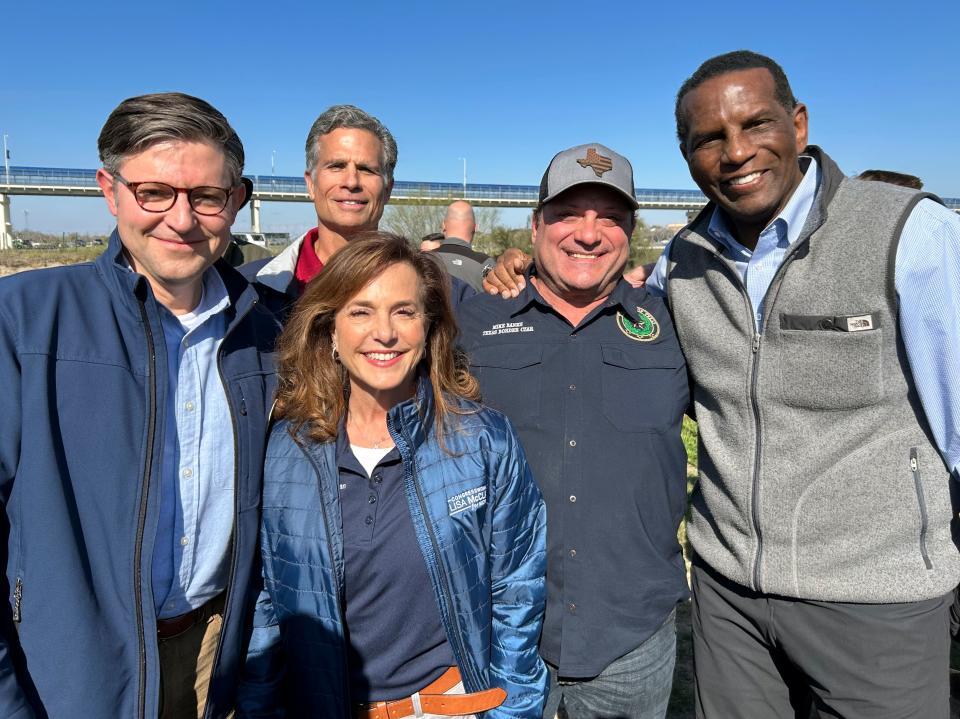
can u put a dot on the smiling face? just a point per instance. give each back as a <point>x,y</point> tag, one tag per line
<point>381,335</point>
<point>172,249</point>
<point>742,147</point>
<point>348,187</point>
<point>581,242</point>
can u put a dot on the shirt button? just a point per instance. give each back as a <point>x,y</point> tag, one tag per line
<point>573,552</point>
<point>184,541</point>
<point>187,472</point>
<point>573,498</point>
<point>572,387</point>
<point>572,607</point>
<point>368,521</point>
<point>378,478</point>
<point>573,443</point>
<point>188,406</point>
<point>372,499</point>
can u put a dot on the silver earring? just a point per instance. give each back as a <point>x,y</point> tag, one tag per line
<point>334,353</point>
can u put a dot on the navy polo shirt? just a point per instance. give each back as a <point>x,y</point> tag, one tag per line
<point>598,408</point>
<point>397,644</point>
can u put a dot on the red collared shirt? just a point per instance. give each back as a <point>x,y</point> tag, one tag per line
<point>308,264</point>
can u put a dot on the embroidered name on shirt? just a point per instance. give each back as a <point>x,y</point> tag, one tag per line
<point>858,324</point>
<point>506,328</point>
<point>471,499</point>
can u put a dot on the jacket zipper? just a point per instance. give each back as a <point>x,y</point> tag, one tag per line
<point>454,630</point>
<point>754,404</point>
<point>236,499</point>
<point>921,500</point>
<point>755,498</point>
<point>17,599</point>
<point>328,526</point>
<point>142,516</point>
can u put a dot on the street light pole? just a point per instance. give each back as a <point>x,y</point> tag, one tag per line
<point>273,162</point>
<point>464,176</point>
<point>26,220</point>
<point>6,159</point>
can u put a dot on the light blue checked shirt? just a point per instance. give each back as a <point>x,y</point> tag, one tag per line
<point>196,478</point>
<point>927,278</point>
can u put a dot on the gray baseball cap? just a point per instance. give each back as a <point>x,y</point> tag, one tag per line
<point>588,164</point>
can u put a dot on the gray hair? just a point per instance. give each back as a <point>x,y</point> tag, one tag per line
<point>140,122</point>
<point>351,117</point>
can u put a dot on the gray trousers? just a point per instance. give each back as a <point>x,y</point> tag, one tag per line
<point>759,655</point>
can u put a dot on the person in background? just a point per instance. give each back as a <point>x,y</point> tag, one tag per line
<point>894,178</point>
<point>350,159</point>
<point>456,249</point>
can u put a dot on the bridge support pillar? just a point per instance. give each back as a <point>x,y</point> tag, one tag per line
<point>6,229</point>
<point>254,215</point>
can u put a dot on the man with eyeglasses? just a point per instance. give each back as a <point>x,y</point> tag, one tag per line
<point>134,405</point>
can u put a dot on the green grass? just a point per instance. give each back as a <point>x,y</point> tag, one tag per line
<point>27,258</point>
<point>682,697</point>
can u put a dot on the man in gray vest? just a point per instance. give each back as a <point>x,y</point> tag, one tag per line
<point>819,319</point>
<point>818,315</point>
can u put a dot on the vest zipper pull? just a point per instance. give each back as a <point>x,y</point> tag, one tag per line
<point>756,342</point>
<point>17,599</point>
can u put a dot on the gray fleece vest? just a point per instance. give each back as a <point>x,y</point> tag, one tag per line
<point>818,478</point>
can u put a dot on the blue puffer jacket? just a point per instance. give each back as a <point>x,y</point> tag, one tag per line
<point>480,524</point>
<point>83,394</point>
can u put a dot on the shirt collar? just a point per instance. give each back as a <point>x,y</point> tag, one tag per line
<point>214,298</point>
<point>347,460</point>
<point>792,217</point>
<point>623,294</point>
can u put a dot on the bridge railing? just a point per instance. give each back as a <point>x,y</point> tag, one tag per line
<point>288,185</point>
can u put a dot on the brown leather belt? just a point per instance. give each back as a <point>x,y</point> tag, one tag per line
<point>432,700</point>
<point>173,626</point>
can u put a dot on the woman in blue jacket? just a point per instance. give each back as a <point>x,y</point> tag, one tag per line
<point>403,535</point>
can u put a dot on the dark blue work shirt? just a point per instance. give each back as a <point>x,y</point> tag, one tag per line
<point>397,644</point>
<point>598,408</point>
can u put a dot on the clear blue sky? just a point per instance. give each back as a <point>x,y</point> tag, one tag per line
<point>504,84</point>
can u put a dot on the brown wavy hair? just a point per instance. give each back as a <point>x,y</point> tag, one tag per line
<point>314,388</point>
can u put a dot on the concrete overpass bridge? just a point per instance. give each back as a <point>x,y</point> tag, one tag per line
<point>270,188</point>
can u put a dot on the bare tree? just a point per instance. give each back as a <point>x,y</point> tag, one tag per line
<point>414,221</point>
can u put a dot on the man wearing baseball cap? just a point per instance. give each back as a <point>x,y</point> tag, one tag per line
<point>589,370</point>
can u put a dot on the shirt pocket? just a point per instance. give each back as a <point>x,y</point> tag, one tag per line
<point>821,366</point>
<point>510,380</point>
<point>644,388</point>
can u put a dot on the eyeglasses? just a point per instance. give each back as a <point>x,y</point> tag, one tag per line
<point>160,197</point>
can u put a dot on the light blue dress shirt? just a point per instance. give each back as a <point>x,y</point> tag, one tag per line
<point>190,558</point>
<point>927,279</point>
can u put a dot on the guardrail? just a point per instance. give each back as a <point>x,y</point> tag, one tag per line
<point>67,181</point>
